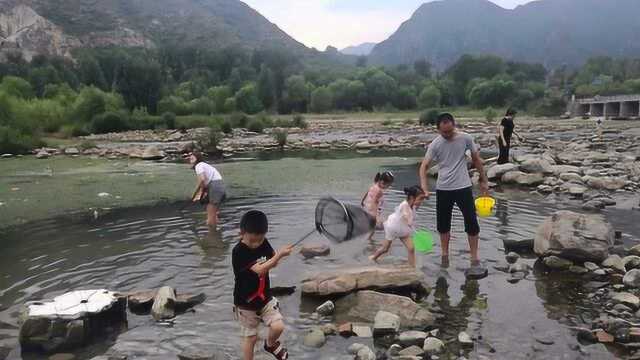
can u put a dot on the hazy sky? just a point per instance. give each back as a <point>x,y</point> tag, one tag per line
<point>340,23</point>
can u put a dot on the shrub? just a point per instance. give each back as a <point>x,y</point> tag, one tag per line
<point>280,136</point>
<point>283,123</point>
<point>210,141</point>
<point>300,122</point>
<point>387,122</point>
<point>247,100</point>
<point>16,87</point>
<point>321,100</point>
<point>226,127</point>
<point>12,141</point>
<point>230,105</point>
<point>174,104</point>
<point>490,114</point>
<point>169,120</point>
<point>429,117</point>
<point>87,144</point>
<point>429,97</point>
<point>256,125</point>
<point>109,122</point>
<point>239,120</point>
<point>267,121</point>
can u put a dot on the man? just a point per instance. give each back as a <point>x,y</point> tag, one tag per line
<point>454,185</point>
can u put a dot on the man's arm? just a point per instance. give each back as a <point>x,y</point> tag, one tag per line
<point>479,165</point>
<point>424,168</point>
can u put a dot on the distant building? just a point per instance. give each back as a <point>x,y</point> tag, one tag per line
<point>609,107</point>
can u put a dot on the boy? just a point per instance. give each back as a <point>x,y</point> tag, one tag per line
<point>252,259</point>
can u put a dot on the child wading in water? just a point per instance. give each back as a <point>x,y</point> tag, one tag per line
<point>252,259</point>
<point>401,224</point>
<point>373,200</point>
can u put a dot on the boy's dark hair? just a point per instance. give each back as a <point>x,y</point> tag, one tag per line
<point>254,222</point>
<point>511,112</point>
<point>413,191</point>
<point>386,177</point>
<point>443,118</point>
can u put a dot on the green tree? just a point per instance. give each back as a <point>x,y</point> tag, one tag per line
<point>405,98</point>
<point>140,84</point>
<point>297,92</point>
<point>91,72</point>
<point>235,80</point>
<point>219,95</point>
<point>266,87</point>
<point>423,68</point>
<point>430,97</point>
<point>17,87</point>
<point>89,103</point>
<point>41,77</point>
<point>380,88</point>
<point>493,92</point>
<point>247,100</point>
<point>321,100</point>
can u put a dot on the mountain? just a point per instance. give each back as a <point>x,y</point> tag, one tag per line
<point>551,32</point>
<point>57,26</point>
<point>358,50</point>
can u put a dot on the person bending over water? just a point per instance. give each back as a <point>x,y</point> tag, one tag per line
<point>373,200</point>
<point>454,184</point>
<point>401,224</point>
<point>210,190</point>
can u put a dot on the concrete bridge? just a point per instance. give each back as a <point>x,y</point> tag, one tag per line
<point>609,107</point>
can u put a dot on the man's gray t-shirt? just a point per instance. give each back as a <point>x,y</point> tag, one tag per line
<point>450,155</point>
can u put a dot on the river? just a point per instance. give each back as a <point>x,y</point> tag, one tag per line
<point>144,243</point>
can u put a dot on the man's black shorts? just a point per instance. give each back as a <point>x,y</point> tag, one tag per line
<point>444,208</point>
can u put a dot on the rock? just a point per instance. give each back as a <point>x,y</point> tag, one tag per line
<point>364,305</point>
<point>346,330</point>
<point>326,309</point>
<point>605,183</point>
<point>591,266</point>
<point>354,348</point>
<point>152,153</point>
<point>71,151</point>
<point>62,356</point>
<point>202,354</point>
<point>520,178</point>
<point>635,250</point>
<point>586,337</point>
<point>519,268</point>
<point>512,257</point>
<point>557,263</point>
<point>361,278</point>
<point>408,338</point>
<point>362,331</point>
<point>631,262</point>
<point>6,156</point>
<point>577,191</point>
<point>604,337</point>
<point>536,166</point>
<point>365,354</point>
<point>464,339</point>
<point>313,251</point>
<point>571,177</point>
<point>599,272</point>
<point>563,169</point>
<point>70,320</point>
<point>329,329</point>
<point>164,304</point>
<point>578,270</point>
<point>394,350</point>
<point>142,301</point>
<point>385,323</point>
<point>315,338</point>
<point>42,154</point>
<point>433,346</point>
<point>593,205</point>
<point>614,262</point>
<point>496,172</point>
<point>573,236</point>
<point>365,145</point>
<point>412,351</point>
<point>632,278</point>
<point>626,299</point>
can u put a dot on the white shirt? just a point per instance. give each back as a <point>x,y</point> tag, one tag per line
<point>402,218</point>
<point>209,172</point>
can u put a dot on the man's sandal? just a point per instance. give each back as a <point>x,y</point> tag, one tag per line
<point>277,350</point>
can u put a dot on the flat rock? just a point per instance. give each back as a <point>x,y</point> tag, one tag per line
<point>521,178</point>
<point>614,262</point>
<point>573,236</point>
<point>71,151</point>
<point>363,278</point>
<point>152,153</point>
<point>536,166</point>
<point>362,331</point>
<point>635,250</point>
<point>591,266</point>
<point>385,323</point>
<point>557,263</point>
<point>433,346</point>
<point>412,351</point>
<point>364,306</point>
<point>42,155</point>
<point>314,251</point>
<point>412,337</point>
<point>631,262</point>
<point>464,339</point>
<point>496,172</point>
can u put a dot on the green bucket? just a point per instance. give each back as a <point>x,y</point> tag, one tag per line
<point>423,241</point>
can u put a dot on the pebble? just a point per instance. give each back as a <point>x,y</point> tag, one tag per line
<point>433,346</point>
<point>464,339</point>
<point>315,338</point>
<point>326,309</point>
<point>591,266</point>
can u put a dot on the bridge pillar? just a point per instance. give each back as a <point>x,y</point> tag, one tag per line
<point>596,109</point>
<point>630,109</point>
<point>612,109</point>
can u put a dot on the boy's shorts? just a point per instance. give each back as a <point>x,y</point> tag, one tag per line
<point>250,319</point>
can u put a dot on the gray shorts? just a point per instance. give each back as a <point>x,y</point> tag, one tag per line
<point>216,193</point>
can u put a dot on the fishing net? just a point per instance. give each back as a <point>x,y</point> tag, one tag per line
<point>342,222</point>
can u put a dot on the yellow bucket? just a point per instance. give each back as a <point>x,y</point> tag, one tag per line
<point>484,206</point>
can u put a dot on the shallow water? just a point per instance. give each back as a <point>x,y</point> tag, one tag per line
<point>150,246</point>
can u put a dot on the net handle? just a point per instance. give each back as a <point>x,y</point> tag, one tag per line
<point>304,238</point>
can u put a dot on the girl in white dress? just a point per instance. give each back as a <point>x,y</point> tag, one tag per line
<point>401,224</point>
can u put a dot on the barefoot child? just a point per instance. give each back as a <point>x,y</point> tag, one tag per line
<point>252,259</point>
<point>401,224</point>
<point>373,200</point>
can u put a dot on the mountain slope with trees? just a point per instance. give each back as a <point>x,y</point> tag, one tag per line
<point>549,32</point>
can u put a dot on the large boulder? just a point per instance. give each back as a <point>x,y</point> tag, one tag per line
<point>152,153</point>
<point>536,166</point>
<point>521,178</point>
<point>496,172</point>
<point>365,305</point>
<point>70,320</point>
<point>605,183</point>
<point>574,236</point>
<point>361,278</point>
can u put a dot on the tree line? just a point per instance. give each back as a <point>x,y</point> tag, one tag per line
<point>115,89</point>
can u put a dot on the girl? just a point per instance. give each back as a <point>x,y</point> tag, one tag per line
<point>505,131</point>
<point>210,190</point>
<point>373,200</point>
<point>401,224</point>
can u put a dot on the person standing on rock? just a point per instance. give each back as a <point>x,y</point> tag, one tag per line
<point>454,185</point>
<point>210,190</point>
<point>505,131</point>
